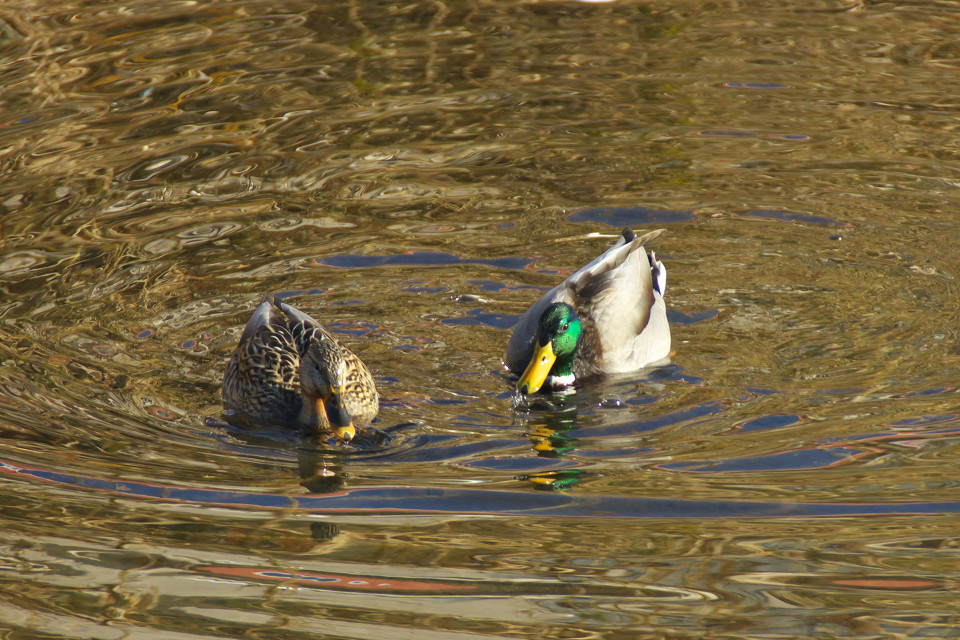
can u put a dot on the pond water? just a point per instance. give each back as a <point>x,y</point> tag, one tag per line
<point>414,174</point>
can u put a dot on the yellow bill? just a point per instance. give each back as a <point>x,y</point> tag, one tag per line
<point>337,416</point>
<point>346,433</point>
<point>538,369</point>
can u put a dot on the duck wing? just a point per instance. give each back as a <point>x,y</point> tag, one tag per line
<point>262,377</point>
<point>619,298</point>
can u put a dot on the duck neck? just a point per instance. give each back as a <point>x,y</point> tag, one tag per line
<point>308,413</point>
<point>563,368</point>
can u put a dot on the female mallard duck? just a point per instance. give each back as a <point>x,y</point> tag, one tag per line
<point>608,317</point>
<point>288,369</point>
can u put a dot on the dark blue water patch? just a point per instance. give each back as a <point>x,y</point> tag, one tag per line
<point>692,381</point>
<point>431,501</point>
<point>924,420</point>
<point>605,454</point>
<point>798,460</point>
<point>674,373</point>
<point>488,285</point>
<point>345,303</point>
<point>853,391</point>
<point>407,347</point>
<point>146,333</point>
<point>444,448</point>
<point>293,293</point>
<point>762,392</point>
<point>447,401</point>
<point>755,85</point>
<point>620,217</point>
<point>847,439</point>
<point>927,392</point>
<point>634,427</point>
<point>893,436</point>
<point>681,318</point>
<point>495,286</point>
<point>790,216</point>
<point>766,423</point>
<point>727,133</point>
<point>481,317</point>
<point>354,329</point>
<point>792,137</point>
<point>417,259</point>
<point>525,464</point>
<point>765,135</point>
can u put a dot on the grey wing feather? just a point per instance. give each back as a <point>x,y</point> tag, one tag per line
<point>296,315</point>
<point>627,312</point>
<point>261,316</point>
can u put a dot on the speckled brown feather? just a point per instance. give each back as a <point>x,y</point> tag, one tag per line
<point>262,379</point>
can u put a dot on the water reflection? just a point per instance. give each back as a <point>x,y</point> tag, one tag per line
<point>421,171</point>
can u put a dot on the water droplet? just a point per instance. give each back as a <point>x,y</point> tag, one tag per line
<point>611,401</point>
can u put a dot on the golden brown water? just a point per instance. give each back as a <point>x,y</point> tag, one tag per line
<point>416,173</point>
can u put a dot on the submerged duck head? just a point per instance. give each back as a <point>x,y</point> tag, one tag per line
<point>323,381</point>
<point>559,332</point>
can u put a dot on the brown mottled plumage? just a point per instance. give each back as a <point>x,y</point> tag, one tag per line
<point>288,369</point>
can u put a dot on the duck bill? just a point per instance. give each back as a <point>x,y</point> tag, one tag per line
<point>337,416</point>
<point>538,369</point>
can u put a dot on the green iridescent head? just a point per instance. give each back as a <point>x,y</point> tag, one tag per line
<point>558,336</point>
<point>560,326</point>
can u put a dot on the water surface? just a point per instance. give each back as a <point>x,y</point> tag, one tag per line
<point>414,175</point>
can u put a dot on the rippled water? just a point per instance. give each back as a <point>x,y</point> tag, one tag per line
<point>414,174</point>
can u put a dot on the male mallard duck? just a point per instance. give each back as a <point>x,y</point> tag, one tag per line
<point>288,369</point>
<point>608,317</point>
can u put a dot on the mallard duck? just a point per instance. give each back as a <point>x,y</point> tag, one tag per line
<point>288,369</point>
<point>608,317</point>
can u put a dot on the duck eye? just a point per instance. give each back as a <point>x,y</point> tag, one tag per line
<point>566,325</point>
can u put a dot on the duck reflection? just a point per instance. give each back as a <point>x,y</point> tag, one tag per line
<point>320,467</point>
<point>547,431</point>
